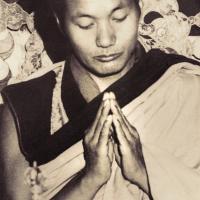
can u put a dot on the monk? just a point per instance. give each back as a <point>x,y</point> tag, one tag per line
<point>111,122</point>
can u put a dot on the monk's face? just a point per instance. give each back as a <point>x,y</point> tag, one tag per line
<point>103,33</point>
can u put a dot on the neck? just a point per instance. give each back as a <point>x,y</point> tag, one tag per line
<point>105,82</point>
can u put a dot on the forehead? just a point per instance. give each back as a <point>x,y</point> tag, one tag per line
<point>95,7</point>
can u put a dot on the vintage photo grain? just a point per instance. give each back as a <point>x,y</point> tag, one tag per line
<point>99,100</point>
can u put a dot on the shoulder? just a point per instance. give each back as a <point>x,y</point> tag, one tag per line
<point>37,80</point>
<point>183,79</point>
<point>30,104</point>
<point>35,88</point>
<point>189,75</point>
<point>22,97</point>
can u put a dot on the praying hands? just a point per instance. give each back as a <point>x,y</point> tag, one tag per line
<point>112,134</point>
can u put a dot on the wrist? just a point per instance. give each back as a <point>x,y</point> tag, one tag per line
<point>140,178</point>
<point>94,179</point>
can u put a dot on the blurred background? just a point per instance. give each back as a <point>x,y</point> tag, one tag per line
<point>55,42</point>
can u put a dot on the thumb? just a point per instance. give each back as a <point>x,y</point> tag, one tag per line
<point>117,154</point>
<point>110,150</point>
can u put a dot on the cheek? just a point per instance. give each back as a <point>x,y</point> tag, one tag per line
<point>82,41</point>
<point>128,31</point>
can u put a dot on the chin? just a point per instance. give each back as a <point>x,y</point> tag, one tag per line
<point>106,70</point>
<point>105,74</point>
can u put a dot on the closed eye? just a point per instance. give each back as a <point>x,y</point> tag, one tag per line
<point>119,15</point>
<point>84,22</point>
<point>119,19</point>
<point>85,27</point>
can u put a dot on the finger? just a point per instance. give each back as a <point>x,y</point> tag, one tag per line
<point>105,133</point>
<point>112,95</point>
<point>123,142</point>
<point>122,139</point>
<point>117,154</point>
<point>117,110</point>
<point>99,113</point>
<point>121,118</point>
<point>102,105</point>
<point>102,120</point>
<point>128,124</point>
<point>110,150</point>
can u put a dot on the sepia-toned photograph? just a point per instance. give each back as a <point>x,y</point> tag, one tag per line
<point>99,100</point>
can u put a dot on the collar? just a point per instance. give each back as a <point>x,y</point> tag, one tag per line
<point>86,84</point>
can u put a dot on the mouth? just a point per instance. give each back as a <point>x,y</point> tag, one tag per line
<point>108,58</point>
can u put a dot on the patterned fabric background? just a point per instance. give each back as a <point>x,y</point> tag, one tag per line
<point>30,40</point>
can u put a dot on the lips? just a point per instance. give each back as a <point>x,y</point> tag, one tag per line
<point>108,58</point>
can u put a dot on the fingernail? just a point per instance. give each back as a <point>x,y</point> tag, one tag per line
<point>106,102</point>
<point>112,95</point>
<point>106,96</point>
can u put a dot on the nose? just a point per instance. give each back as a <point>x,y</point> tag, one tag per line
<point>105,35</point>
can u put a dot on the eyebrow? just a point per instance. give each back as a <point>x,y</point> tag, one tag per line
<point>82,15</point>
<point>119,7</point>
